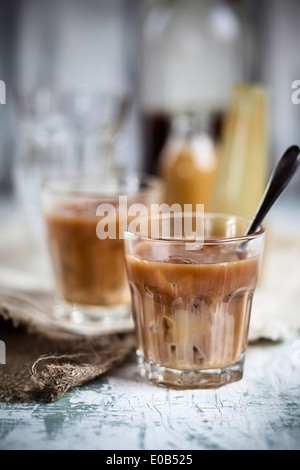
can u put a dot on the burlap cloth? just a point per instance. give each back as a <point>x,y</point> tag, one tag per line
<point>43,362</point>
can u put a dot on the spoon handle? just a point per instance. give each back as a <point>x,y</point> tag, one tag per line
<point>281,175</point>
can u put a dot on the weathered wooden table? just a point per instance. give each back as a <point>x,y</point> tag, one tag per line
<point>122,411</point>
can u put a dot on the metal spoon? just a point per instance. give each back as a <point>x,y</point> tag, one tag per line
<point>279,179</point>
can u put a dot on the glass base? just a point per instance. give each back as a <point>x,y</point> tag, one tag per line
<point>89,319</point>
<point>190,379</point>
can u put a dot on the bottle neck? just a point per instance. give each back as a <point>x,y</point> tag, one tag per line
<point>187,125</point>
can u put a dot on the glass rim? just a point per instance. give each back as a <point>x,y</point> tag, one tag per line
<point>60,186</point>
<point>260,231</point>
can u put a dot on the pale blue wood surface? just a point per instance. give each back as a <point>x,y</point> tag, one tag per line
<point>122,411</point>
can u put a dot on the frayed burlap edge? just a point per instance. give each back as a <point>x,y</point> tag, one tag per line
<point>43,364</point>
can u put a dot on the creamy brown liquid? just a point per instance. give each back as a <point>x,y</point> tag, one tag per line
<point>88,270</point>
<point>191,310</point>
<point>188,179</point>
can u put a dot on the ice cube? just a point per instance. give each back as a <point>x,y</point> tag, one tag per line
<point>179,260</point>
<point>159,294</point>
<point>199,357</point>
<point>199,302</point>
<point>167,323</point>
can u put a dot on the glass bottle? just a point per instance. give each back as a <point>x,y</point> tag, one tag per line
<point>188,161</point>
<point>190,53</point>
